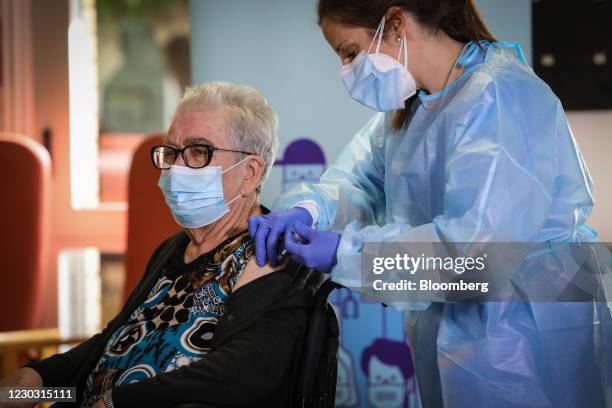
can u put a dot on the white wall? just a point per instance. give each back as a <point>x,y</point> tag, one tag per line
<point>593,132</point>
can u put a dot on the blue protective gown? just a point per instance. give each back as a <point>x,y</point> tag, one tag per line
<point>490,158</point>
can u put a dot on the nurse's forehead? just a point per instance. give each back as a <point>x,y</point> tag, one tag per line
<point>198,127</point>
<point>339,35</point>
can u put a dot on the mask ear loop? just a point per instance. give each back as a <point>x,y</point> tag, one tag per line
<point>234,199</point>
<point>228,169</point>
<point>378,35</point>
<point>234,165</point>
<point>404,49</point>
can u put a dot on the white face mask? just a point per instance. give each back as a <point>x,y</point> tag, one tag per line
<point>377,80</point>
<point>195,196</point>
<point>386,395</point>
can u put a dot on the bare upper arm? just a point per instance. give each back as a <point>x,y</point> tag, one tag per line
<point>253,271</point>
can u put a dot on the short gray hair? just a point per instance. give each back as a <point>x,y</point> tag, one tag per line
<point>253,124</point>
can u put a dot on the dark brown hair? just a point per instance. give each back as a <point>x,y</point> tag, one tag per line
<point>459,19</point>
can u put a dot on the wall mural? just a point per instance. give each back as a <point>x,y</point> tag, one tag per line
<point>303,162</point>
<point>374,366</point>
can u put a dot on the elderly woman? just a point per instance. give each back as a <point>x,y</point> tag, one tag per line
<point>205,324</point>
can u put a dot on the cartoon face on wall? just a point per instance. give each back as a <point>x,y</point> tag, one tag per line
<point>386,387</point>
<point>294,174</point>
<point>346,387</point>
<point>302,162</point>
<point>388,366</point>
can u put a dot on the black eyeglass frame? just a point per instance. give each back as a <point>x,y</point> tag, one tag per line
<point>209,148</point>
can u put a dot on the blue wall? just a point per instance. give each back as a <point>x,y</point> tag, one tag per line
<point>276,46</point>
<point>510,20</point>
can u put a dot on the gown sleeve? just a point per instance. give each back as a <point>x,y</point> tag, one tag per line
<point>353,187</point>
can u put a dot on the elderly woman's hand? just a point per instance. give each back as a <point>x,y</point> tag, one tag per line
<point>100,404</point>
<point>24,377</point>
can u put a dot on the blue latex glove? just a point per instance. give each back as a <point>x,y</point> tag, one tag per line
<point>313,248</point>
<point>267,229</point>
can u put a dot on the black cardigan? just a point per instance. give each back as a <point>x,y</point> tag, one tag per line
<point>253,356</point>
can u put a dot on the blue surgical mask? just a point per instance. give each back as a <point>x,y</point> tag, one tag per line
<point>195,196</point>
<point>377,80</point>
<point>386,395</point>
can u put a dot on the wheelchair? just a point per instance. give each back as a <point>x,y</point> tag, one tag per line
<point>315,375</point>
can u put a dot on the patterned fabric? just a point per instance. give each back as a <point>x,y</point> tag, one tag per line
<point>175,325</point>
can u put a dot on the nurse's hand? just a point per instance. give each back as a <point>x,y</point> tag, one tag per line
<point>267,229</point>
<point>313,248</point>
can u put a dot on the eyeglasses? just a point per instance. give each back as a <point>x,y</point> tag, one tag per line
<point>195,156</point>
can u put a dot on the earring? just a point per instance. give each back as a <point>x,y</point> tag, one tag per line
<point>398,39</point>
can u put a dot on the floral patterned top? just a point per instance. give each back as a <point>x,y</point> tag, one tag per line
<point>175,325</point>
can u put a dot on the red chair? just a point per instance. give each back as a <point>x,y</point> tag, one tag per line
<point>25,180</point>
<point>149,219</point>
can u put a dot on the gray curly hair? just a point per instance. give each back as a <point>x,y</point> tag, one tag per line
<point>253,124</point>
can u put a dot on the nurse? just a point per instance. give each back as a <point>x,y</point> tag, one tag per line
<point>469,146</point>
